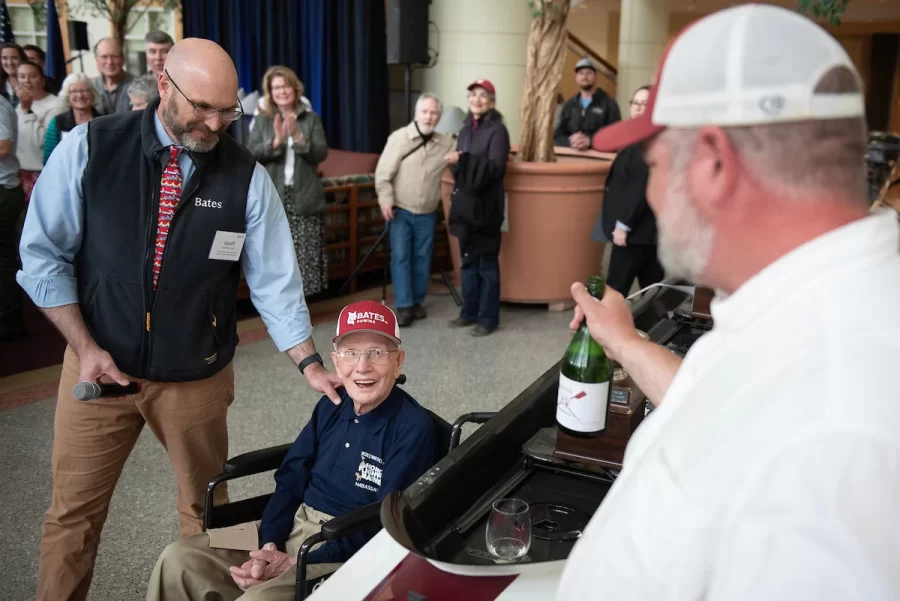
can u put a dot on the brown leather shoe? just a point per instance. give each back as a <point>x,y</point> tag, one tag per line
<point>419,312</point>
<point>404,317</point>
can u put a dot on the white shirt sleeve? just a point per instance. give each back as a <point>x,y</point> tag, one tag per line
<point>820,521</point>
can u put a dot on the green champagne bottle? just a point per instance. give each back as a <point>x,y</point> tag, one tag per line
<point>584,380</point>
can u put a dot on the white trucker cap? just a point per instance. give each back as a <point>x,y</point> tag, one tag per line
<point>747,65</point>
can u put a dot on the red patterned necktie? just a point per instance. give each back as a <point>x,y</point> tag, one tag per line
<point>169,196</point>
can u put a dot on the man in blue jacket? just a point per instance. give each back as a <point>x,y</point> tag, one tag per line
<point>377,440</point>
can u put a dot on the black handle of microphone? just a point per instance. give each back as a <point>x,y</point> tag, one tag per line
<point>88,391</point>
<point>401,379</point>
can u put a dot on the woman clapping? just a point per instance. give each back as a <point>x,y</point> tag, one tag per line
<point>289,141</point>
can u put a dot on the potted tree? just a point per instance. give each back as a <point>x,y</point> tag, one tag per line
<point>554,195</point>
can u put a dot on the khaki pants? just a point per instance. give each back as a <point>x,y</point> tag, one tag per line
<point>91,442</point>
<point>190,570</point>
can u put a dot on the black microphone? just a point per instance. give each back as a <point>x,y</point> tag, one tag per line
<point>401,379</point>
<point>88,391</point>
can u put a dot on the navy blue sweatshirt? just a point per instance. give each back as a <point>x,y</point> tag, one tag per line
<point>342,461</point>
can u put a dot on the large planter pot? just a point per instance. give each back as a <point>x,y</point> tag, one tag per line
<point>551,208</point>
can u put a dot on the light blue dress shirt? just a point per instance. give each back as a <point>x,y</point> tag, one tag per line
<point>53,228</point>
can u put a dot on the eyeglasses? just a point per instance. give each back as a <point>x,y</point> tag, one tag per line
<point>375,356</point>
<point>108,57</point>
<point>633,103</point>
<point>205,112</point>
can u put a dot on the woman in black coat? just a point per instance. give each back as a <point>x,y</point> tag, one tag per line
<point>626,219</point>
<point>477,207</point>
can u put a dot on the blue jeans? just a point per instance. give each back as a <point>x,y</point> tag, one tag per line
<point>412,240</point>
<point>480,275</point>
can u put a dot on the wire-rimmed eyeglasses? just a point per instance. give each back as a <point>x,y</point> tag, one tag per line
<point>205,112</point>
<point>375,356</point>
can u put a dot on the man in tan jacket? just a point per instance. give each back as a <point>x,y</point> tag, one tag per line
<point>408,183</point>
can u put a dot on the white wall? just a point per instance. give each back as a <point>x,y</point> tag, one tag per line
<point>481,39</point>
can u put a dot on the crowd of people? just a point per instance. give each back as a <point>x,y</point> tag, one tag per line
<point>785,495</point>
<point>287,137</point>
<point>36,113</point>
<point>408,186</point>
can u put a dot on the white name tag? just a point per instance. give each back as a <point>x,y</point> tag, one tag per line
<point>227,246</point>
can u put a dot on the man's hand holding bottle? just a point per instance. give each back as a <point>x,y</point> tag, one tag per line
<point>609,320</point>
<point>610,323</point>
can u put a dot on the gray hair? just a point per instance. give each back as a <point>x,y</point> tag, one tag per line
<point>71,80</point>
<point>158,37</point>
<point>101,40</point>
<point>143,87</point>
<point>802,157</point>
<point>429,96</point>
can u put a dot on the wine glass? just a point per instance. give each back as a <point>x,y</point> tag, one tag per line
<point>508,532</point>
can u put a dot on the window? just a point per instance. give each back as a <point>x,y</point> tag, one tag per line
<point>25,27</point>
<point>143,21</point>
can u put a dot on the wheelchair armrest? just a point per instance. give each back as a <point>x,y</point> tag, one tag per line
<point>342,526</point>
<point>256,462</point>
<point>352,522</point>
<point>469,418</point>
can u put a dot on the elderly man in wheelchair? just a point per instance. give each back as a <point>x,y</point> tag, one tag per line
<point>377,440</point>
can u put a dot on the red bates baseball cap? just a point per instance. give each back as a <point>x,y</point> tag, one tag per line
<point>367,316</point>
<point>483,83</point>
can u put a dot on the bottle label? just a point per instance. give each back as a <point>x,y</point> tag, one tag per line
<point>581,407</point>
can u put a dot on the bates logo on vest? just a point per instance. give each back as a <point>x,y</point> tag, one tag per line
<point>208,202</point>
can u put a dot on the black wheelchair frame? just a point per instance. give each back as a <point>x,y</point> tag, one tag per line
<point>363,518</point>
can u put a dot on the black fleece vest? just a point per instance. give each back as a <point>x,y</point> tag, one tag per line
<point>186,329</point>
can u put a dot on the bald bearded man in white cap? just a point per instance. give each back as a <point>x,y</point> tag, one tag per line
<point>771,466</point>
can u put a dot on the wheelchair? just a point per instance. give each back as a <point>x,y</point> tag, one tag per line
<point>364,518</point>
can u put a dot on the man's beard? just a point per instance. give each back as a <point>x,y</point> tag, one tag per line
<point>587,87</point>
<point>685,238</point>
<point>183,132</point>
<point>424,129</point>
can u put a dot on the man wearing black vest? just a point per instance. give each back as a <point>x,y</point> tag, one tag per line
<point>133,247</point>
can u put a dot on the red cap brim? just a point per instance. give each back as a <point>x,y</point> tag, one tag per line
<point>622,134</point>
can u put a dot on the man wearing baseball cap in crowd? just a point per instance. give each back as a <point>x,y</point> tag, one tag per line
<point>379,439</point>
<point>587,111</point>
<point>771,466</point>
<point>477,207</point>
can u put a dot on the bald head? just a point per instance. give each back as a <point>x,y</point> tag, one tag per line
<point>204,68</point>
<point>198,93</point>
